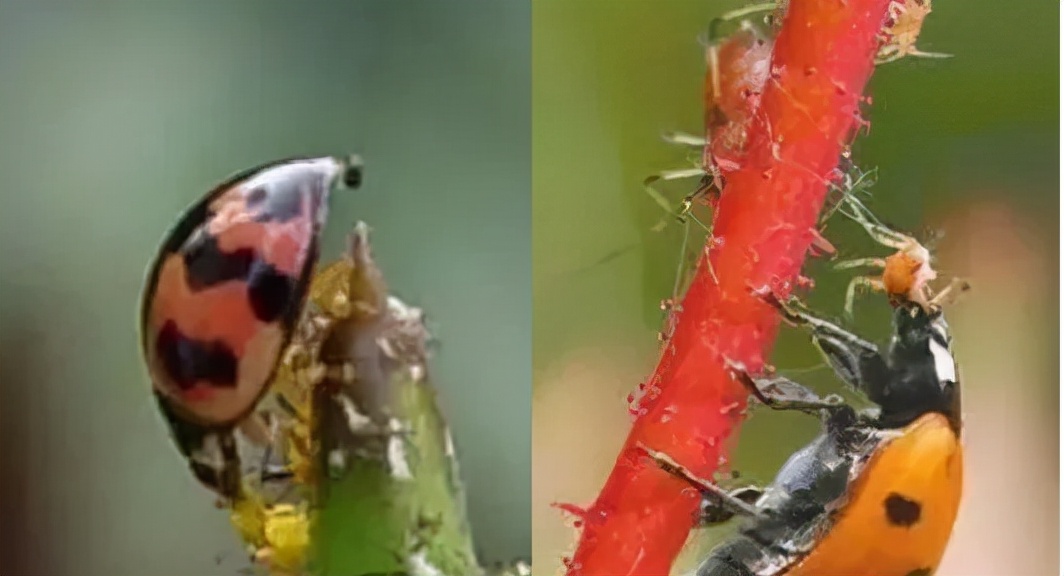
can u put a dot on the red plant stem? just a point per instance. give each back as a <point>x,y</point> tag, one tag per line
<point>821,61</point>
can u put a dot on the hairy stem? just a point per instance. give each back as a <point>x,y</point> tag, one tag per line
<point>763,224</point>
<point>391,499</point>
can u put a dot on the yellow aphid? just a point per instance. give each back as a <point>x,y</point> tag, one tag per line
<point>248,517</point>
<point>287,534</point>
<point>330,283</point>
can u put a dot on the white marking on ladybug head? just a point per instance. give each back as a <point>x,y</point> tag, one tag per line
<point>945,367</point>
<point>942,353</point>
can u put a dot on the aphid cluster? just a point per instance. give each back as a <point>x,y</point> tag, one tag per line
<point>271,373</point>
<point>737,68</point>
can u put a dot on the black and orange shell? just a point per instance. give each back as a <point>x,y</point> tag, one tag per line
<point>900,510</point>
<point>893,503</point>
<point>228,284</point>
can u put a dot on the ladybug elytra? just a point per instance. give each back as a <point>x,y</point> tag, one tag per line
<point>223,296</point>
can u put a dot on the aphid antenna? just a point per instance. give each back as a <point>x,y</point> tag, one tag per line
<point>898,55</point>
<point>714,32</point>
<point>680,264</point>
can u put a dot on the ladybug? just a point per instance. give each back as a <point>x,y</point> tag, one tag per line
<point>877,491</point>
<point>222,298</point>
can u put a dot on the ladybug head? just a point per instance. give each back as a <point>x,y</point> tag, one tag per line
<point>923,369</point>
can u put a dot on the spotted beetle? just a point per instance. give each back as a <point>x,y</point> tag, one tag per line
<point>878,490</point>
<point>222,298</point>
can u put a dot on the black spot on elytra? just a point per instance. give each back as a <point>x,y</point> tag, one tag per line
<point>269,291</point>
<point>208,266</point>
<point>901,511</point>
<point>920,572</point>
<point>187,361</point>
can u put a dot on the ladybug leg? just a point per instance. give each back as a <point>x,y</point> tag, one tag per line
<point>271,473</point>
<point>713,509</point>
<point>720,504</point>
<point>230,477</point>
<point>856,361</point>
<point>781,393</point>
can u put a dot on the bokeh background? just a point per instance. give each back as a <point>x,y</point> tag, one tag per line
<point>115,116</point>
<point>968,146</point>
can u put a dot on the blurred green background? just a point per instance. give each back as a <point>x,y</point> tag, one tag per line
<point>115,116</point>
<point>967,145</point>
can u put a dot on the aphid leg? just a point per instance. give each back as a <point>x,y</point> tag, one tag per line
<point>921,54</point>
<point>684,139</point>
<point>683,215</point>
<point>889,54</point>
<point>659,198</point>
<point>860,282</point>
<point>781,393</point>
<point>856,361</point>
<point>950,293</point>
<point>877,230</point>
<point>861,263</point>
<point>893,53</point>
<point>727,502</point>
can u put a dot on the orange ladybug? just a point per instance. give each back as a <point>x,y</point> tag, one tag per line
<point>222,298</point>
<point>877,492</point>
